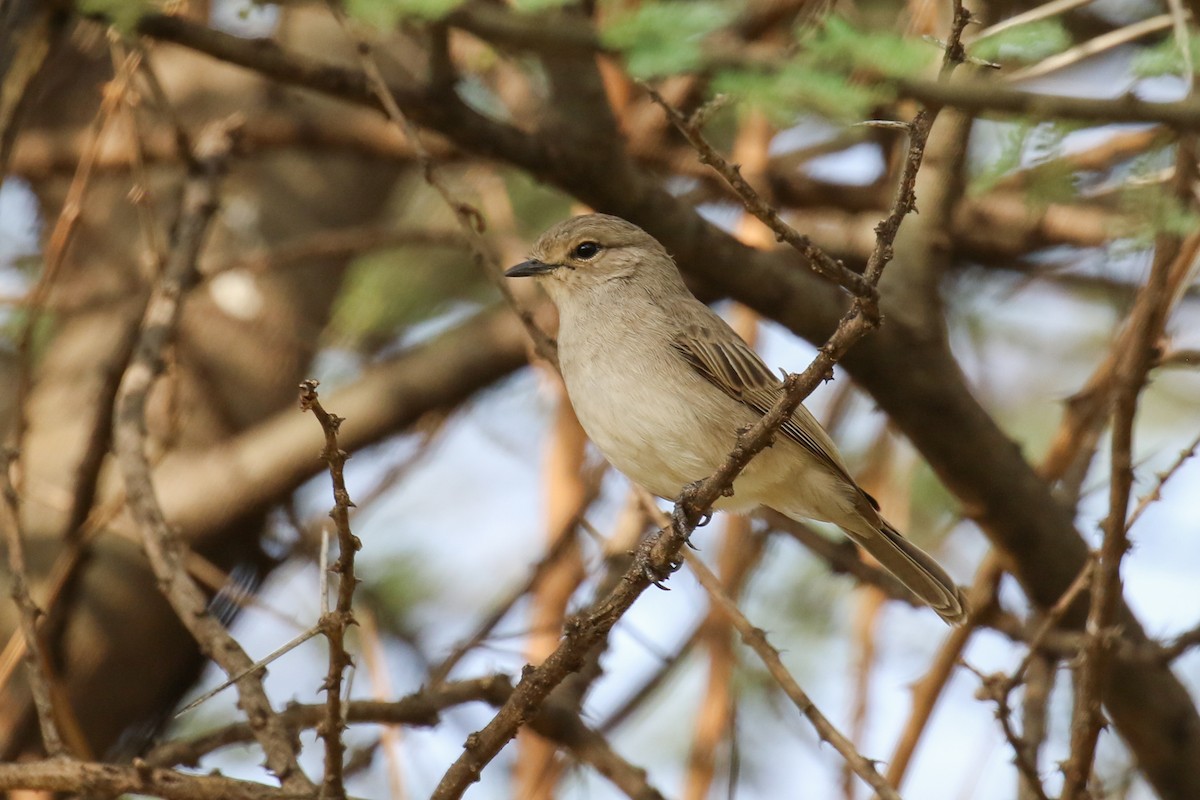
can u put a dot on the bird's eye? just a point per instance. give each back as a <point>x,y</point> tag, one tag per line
<point>586,250</point>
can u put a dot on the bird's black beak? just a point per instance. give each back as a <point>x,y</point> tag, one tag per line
<point>531,267</point>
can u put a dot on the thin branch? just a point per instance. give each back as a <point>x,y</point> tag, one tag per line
<point>36,661</point>
<point>999,687</point>
<point>670,664</point>
<point>419,709</point>
<point>1092,47</point>
<point>261,664</point>
<point>557,550</point>
<point>423,709</point>
<point>1133,367</point>
<point>1039,681</point>
<point>987,97</point>
<point>757,641</point>
<point>1155,494</point>
<point>824,265</point>
<point>334,623</point>
<point>1038,12</point>
<point>469,218</point>
<point>928,690</point>
<point>163,547</point>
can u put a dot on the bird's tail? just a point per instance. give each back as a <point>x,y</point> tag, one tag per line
<point>915,568</point>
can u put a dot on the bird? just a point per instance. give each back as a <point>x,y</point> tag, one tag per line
<point>662,385</point>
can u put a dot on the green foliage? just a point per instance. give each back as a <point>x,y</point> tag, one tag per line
<point>1050,181</point>
<point>392,588</point>
<point>390,290</point>
<point>1024,44</point>
<point>121,14</point>
<point>533,6</point>
<point>535,205</point>
<point>1164,58</point>
<point>664,37</point>
<point>780,94</point>
<point>385,14</point>
<point>1012,148</point>
<point>837,47</point>
<point>1159,211</point>
<point>835,72</point>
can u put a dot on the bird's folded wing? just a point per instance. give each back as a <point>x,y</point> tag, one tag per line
<point>727,362</point>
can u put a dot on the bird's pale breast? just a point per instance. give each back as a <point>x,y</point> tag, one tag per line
<point>659,422</point>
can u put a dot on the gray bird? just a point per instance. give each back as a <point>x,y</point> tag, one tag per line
<point>662,385</point>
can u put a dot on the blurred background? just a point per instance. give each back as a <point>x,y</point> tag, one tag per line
<point>485,516</point>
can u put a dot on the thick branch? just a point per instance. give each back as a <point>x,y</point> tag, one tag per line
<point>108,780</point>
<point>982,97</point>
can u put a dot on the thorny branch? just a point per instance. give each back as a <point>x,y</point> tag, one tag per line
<point>1133,367</point>
<point>334,623</point>
<point>658,554</point>
<point>756,639</point>
<point>999,688</point>
<point>822,263</point>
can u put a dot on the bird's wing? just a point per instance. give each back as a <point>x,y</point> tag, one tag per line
<point>727,362</point>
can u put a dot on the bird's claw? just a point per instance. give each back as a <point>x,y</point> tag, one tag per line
<point>656,576</point>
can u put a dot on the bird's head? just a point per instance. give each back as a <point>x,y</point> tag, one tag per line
<point>593,250</point>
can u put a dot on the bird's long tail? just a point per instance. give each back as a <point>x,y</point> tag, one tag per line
<point>913,567</point>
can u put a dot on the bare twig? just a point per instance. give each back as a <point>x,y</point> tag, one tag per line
<point>537,771</point>
<point>740,551</point>
<point>1092,47</point>
<point>928,690</point>
<point>68,220</point>
<point>824,265</point>
<point>423,709</point>
<point>163,548</point>
<point>1039,680</point>
<point>36,662</point>
<point>670,664</point>
<point>999,687</point>
<point>757,641</point>
<point>1161,479</point>
<point>257,666</point>
<point>1038,12</point>
<point>334,623</point>
<point>984,97</point>
<point>1130,376</point>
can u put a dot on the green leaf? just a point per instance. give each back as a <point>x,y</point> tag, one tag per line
<point>384,14</point>
<point>838,46</point>
<point>664,38</point>
<point>1012,148</point>
<point>121,14</point>
<point>1159,211</point>
<point>1024,44</point>
<point>533,6</point>
<point>1164,58</point>
<point>781,95</point>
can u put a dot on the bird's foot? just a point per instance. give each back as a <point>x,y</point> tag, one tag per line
<point>654,574</point>
<point>680,522</point>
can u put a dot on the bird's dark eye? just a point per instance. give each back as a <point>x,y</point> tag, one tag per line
<point>586,250</point>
